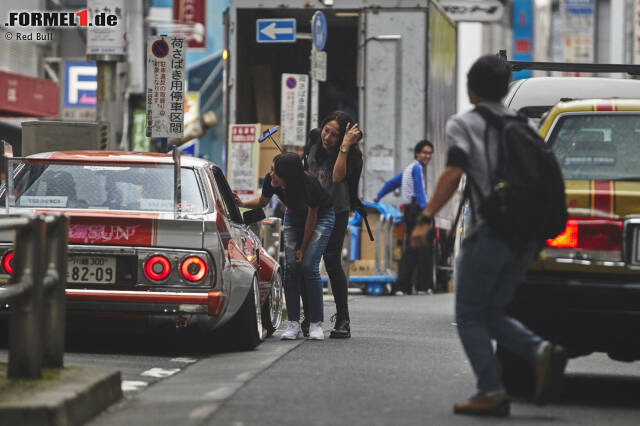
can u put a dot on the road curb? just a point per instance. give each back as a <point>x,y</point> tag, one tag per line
<point>73,396</point>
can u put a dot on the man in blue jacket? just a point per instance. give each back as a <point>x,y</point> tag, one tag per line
<point>414,198</point>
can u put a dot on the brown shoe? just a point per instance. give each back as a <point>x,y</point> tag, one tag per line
<point>551,361</point>
<point>484,405</point>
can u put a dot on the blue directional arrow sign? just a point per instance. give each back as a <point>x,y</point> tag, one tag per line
<point>276,30</point>
<point>319,30</point>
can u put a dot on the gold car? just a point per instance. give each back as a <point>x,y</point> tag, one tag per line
<point>584,289</point>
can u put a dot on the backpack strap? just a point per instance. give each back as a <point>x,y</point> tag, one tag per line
<point>493,120</point>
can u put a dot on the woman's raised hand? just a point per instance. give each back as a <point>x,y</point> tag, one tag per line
<point>351,135</point>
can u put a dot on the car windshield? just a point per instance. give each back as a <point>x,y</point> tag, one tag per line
<point>147,187</point>
<point>598,146</point>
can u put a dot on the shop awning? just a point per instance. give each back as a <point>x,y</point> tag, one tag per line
<point>22,96</point>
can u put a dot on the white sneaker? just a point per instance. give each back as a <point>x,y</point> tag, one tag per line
<point>292,331</point>
<point>315,331</point>
<point>399,293</point>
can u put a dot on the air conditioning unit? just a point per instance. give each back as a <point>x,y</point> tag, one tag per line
<point>46,136</point>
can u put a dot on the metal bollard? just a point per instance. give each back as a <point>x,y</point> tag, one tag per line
<point>271,235</point>
<point>54,313</point>
<point>25,330</point>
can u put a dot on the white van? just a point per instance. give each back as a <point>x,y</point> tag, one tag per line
<point>536,95</point>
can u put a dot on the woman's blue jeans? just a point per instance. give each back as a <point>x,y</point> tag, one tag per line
<point>307,273</point>
<point>488,272</point>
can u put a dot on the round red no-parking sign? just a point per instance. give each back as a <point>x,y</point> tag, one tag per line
<point>160,48</point>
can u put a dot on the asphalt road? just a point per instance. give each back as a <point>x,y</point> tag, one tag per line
<point>403,366</point>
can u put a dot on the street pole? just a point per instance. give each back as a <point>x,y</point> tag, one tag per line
<point>106,107</point>
<point>107,46</point>
<point>313,122</point>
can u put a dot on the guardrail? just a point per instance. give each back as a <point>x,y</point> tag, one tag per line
<point>35,293</point>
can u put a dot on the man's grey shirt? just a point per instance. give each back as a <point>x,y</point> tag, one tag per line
<point>465,136</point>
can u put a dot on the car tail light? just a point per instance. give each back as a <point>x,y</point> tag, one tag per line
<point>586,233</point>
<point>7,262</point>
<point>157,268</point>
<point>193,268</point>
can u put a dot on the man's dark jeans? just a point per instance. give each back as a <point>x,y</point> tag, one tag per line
<point>419,258</point>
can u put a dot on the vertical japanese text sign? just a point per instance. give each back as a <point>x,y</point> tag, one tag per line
<point>165,86</point>
<point>242,169</point>
<point>294,98</point>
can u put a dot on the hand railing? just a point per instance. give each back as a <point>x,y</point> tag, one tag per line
<point>35,293</point>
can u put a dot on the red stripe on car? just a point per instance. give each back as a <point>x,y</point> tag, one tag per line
<point>602,196</point>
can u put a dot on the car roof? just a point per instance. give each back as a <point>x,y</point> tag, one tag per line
<point>546,91</point>
<point>595,106</point>
<point>118,157</point>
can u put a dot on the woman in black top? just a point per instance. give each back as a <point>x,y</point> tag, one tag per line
<point>308,222</point>
<point>335,159</point>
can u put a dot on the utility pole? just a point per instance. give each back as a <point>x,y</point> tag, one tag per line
<point>106,44</point>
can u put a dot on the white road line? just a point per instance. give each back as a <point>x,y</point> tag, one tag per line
<point>184,360</point>
<point>203,411</point>
<point>160,373</point>
<point>222,392</point>
<point>133,385</point>
<point>243,377</point>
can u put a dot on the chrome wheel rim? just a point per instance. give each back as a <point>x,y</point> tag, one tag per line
<point>256,304</point>
<point>275,307</point>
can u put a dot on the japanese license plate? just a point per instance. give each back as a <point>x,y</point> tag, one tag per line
<point>91,269</point>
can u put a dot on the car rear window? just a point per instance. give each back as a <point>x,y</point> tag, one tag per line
<point>147,187</point>
<point>598,146</point>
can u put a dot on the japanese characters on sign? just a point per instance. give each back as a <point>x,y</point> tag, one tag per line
<point>242,164</point>
<point>165,87</point>
<point>293,110</point>
<point>107,42</point>
<point>473,10</point>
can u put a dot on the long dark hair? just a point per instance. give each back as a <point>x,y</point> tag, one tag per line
<point>354,157</point>
<point>288,167</point>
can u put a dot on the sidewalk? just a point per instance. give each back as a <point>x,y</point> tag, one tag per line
<point>67,396</point>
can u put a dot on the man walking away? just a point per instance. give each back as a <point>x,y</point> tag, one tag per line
<point>489,267</point>
<point>414,197</point>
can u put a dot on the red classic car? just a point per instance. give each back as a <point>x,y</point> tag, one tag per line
<point>153,237</point>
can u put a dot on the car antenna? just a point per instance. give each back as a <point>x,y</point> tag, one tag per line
<point>268,134</point>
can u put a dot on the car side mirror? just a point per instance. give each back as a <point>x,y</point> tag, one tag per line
<point>253,216</point>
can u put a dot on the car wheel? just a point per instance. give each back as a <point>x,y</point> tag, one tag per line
<point>517,373</point>
<point>272,307</point>
<point>245,330</point>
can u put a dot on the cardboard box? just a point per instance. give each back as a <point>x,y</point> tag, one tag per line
<point>362,267</point>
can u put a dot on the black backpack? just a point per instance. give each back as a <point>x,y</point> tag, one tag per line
<point>527,198</point>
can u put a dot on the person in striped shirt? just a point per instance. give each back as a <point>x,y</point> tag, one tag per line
<point>414,198</point>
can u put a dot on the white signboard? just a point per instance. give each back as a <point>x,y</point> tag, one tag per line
<point>473,11</point>
<point>579,30</point>
<point>319,64</point>
<point>105,41</point>
<point>242,164</point>
<point>165,87</point>
<point>636,31</point>
<point>294,98</point>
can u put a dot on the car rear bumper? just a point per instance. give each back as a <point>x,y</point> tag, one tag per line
<point>145,302</point>
<point>587,314</point>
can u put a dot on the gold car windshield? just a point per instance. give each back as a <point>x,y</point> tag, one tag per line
<point>140,187</point>
<point>597,146</point>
